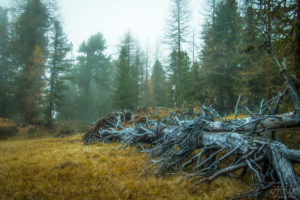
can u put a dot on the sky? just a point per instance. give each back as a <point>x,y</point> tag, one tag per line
<point>145,19</point>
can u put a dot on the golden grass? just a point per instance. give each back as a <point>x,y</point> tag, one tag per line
<point>63,168</point>
<point>231,117</point>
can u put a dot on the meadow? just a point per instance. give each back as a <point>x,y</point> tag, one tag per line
<point>64,168</point>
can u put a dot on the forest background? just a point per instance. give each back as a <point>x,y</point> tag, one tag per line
<point>40,82</point>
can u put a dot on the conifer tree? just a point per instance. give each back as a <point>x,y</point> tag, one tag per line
<point>122,98</point>
<point>30,43</point>
<point>93,75</point>
<point>252,71</point>
<point>184,80</point>
<point>147,99</point>
<point>159,82</point>
<point>180,76</point>
<point>220,56</point>
<point>176,36</point>
<point>267,24</point>
<point>195,84</point>
<point>126,94</point>
<point>6,72</point>
<point>59,65</point>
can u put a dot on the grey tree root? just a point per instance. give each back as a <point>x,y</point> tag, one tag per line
<point>225,147</point>
<point>208,149</point>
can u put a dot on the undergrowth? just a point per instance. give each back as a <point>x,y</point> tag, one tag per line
<point>63,168</point>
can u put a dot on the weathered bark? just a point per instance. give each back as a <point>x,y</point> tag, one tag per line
<point>208,149</point>
<point>175,146</point>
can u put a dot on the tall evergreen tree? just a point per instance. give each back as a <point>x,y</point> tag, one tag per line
<point>126,94</point>
<point>136,78</point>
<point>6,73</point>
<point>180,76</point>
<point>220,56</point>
<point>121,98</point>
<point>252,71</point>
<point>59,65</point>
<point>159,82</point>
<point>195,84</point>
<point>146,83</point>
<point>30,41</point>
<point>267,24</point>
<point>278,25</point>
<point>177,32</point>
<point>93,74</point>
<point>184,80</point>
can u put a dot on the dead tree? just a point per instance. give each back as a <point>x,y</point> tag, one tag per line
<point>207,149</point>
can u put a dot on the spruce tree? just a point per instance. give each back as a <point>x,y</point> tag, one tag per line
<point>252,71</point>
<point>195,84</point>
<point>127,93</point>
<point>93,75</point>
<point>180,76</point>
<point>58,66</point>
<point>122,98</point>
<point>147,99</point>
<point>220,56</point>
<point>176,36</point>
<point>278,25</point>
<point>159,83</point>
<point>184,80</point>
<point>6,72</point>
<point>30,43</point>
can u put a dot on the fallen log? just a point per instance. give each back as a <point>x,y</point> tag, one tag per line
<point>207,149</point>
<point>176,149</point>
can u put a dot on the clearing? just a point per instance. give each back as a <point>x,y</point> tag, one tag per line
<point>64,168</point>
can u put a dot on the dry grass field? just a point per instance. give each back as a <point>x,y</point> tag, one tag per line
<point>64,168</point>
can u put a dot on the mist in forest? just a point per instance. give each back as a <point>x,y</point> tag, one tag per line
<point>206,93</point>
<point>204,52</point>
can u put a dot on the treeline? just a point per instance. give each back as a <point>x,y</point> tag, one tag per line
<point>41,82</point>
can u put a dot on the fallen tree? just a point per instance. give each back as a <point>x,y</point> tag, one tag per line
<point>208,149</point>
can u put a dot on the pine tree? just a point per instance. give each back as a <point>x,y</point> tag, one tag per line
<point>195,84</point>
<point>136,79</point>
<point>252,71</point>
<point>93,75</point>
<point>279,28</point>
<point>180,76</point>
<point>184,80</point>
<point>146,83</point>
<point>267,25</point>
<point>30,43</point>
<point>122,98</point>
<point>159,82</point>
<point>177,32</point>
<point>6,72</point>
<point>127,85</point>
<point>220,56</point>
<point>59,65</point>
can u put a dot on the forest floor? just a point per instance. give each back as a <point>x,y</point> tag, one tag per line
<point>64,168</point>
<point>36,165</point>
